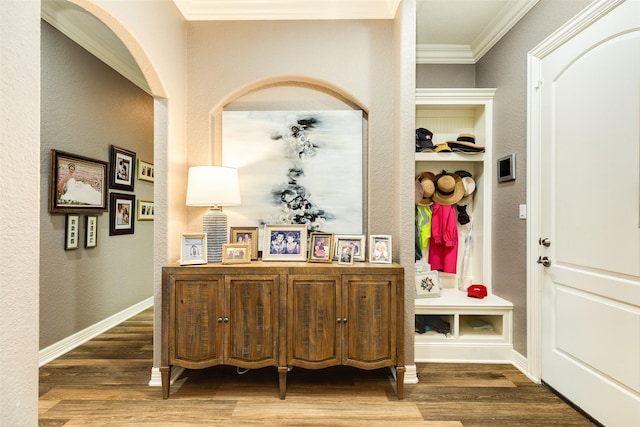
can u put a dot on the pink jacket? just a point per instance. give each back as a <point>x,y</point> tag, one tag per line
<point>443,247</point>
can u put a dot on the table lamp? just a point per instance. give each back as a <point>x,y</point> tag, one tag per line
<point>213,186</point>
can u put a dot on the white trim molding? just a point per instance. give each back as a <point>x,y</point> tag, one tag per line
<point>64,346</point>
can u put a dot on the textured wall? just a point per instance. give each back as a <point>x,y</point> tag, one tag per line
<point>445,75</point>
<point>19,224</point>
<point>86,106</point>
<point>505,68</point>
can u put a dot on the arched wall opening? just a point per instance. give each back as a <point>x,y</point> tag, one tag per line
<point>274,94</point>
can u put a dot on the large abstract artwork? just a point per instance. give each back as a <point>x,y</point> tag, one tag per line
<point>296,168</point>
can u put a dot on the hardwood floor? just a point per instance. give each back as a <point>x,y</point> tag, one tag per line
<point>104,383</point>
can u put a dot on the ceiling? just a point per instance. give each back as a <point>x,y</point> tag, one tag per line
<point>447,31</point>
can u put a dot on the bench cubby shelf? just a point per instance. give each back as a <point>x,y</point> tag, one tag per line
<point>448,113</point>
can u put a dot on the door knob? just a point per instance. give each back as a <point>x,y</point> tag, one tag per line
<point>544,242</point>
<point>544,261</point>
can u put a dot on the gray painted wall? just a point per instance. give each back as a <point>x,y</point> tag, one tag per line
<point>505,68</point>
<point>85,107</point>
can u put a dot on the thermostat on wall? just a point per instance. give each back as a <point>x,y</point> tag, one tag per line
<point>507,168</point>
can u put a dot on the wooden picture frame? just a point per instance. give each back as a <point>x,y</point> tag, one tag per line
<point>321,247</point>
<point>247,236</point>
<point>122,168</point>
<point>236,253</point>
<point>91,231</point>
<point>145,170</point>
<point>380,249</point>
<point>193,248</point>
<point>359,242</point>
<point>121,220</point>
<point>345,250</point>
<point>77,184</point>
<point>145,210</point>
<point>285,242</point>
<point>72,232</point>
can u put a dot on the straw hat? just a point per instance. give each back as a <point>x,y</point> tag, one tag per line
<point>465,142</point>
<point>449,189</point>
<point>426,180</point>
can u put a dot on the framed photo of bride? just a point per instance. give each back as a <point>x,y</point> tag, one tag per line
<point>77,184</point>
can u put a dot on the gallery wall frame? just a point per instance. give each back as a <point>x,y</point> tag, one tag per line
<point>122,167</point>
<point>72,232</point>
<point>145,210</point>
<point>146,172</point>
<point>77,184</point>
<point>91,231</point>
<point>121,208</point>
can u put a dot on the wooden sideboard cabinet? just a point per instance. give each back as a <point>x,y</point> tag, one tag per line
<point>283,314</point>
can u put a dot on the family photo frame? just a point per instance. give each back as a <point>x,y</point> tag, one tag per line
<point>320,247</point>
<point>72,232</point>
<point>193,248</point>
<point>122,169</point>
<point>285,242</point>
<point>380,249</point>
<point>91,231</point>
<point>145,171</point>
<point>121,211</point>
<point>236,253</point>
<point>247,236</point>
<point>77,184</point>
<point>357,241</point>
<point>145,210</point>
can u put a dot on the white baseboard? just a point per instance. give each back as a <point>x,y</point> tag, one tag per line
<point>56,350</point>
<point>411,374</point>
<point>156,377</point>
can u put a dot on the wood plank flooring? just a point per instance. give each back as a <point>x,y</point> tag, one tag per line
<point>104,383</point>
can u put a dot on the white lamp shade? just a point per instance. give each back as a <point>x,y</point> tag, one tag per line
<point>213,186</point>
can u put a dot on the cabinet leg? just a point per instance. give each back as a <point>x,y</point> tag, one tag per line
<point>282,377</point>
<point>400,381</point>
<point>165,372</point>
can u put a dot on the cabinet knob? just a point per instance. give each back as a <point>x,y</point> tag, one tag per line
<point>226,320</point>
<point>219,319</point>
<point>344,320</point>
<point>338,320</point>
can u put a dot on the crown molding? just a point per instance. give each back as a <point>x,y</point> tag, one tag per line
<point>96,38</point>
<point>251,10</point>
<point>486,39</point>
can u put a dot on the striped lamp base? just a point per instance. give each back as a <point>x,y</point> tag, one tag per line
<point>214,224</point>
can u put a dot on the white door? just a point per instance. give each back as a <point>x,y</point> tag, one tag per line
<point>589,198</point>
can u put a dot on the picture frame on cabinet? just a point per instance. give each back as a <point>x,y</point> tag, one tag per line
<point>122,169</point>
<point>193,248</point>
<point>72,230</point>
<point>285,242</point>
<point>357,240</point>
<point>145,210</point>
<point>121,207</point>
<point>427,284</point>
<point>236,253</point>
<point>320,247</point>
<point>247,236</point>
<point>91,231</point>
<point>346,249</point>
<point>77,184</point>
<point>145,170</point>
<point>380,248</point>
